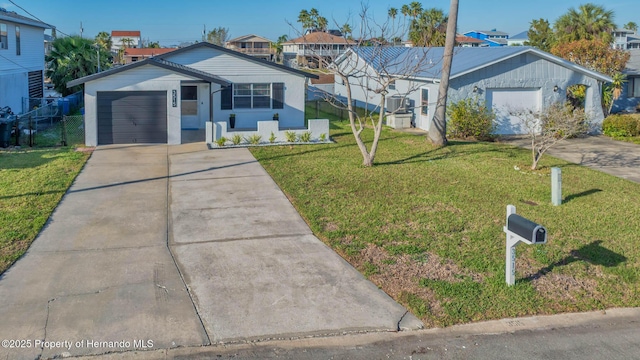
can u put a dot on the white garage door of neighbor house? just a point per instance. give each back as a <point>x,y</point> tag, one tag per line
<point>504,100</point>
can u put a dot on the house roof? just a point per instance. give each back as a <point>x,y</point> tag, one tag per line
<point>155,61</point>
<point>240,55</point>
<point>14,17</point>
<point>319,37</point>
<point>249,38</point>
<point>467,40</point>
<point>135,33</point>
<point>465,60</point>
<point>489,32</point>
<point>147,51</point>
<point>520,36</point>
<point>502,42</point>
<point>633,65</point>
<point>624,31</point>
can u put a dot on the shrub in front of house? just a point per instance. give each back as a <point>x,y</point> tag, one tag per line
<point>470,119</point>
<point>621,125</point>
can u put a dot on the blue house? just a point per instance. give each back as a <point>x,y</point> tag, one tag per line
<point>491,37</point>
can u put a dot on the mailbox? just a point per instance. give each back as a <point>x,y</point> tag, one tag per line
<point>526,229</point>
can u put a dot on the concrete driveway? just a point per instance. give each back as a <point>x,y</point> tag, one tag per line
<point>164,247</point>
<point>613,157</point>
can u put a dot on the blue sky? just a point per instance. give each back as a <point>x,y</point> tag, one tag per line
<point>171,22</point>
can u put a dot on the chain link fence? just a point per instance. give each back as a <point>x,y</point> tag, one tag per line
<point>34,132</point>
<point>50,123</point>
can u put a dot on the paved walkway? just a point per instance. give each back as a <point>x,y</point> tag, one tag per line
<point>613,157</point>
<point>164,247</point>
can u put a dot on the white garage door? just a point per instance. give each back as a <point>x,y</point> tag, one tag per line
<point>502,101</point>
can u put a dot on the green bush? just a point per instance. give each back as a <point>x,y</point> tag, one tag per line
<point>221,141</point>
<point>290,136</point>
<point>621,125</point>
<point>253,139</point>
<point>236,139</point>
<point>305,137</point>
<point>470,118</point>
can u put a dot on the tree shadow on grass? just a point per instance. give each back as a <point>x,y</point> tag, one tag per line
<point>430,156</point>
<point>593,253</point>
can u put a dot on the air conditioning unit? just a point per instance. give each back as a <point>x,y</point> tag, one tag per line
<point>397,105</point>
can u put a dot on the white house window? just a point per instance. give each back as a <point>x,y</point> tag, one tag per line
<point>424,102</point>
<point>392,85</point>
<point>17,40</point>
<point>634,87</point>
<point>251,96</point>
<point>4,39</point>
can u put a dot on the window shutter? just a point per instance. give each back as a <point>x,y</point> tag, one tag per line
<point>226,98</point>
<point>278,96</point>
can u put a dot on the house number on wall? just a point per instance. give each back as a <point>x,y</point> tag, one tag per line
<point>174,98</point>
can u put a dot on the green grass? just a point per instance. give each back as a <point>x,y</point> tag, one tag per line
<point>32,183</point>
<point>425,224</point>
<point>631,139</point>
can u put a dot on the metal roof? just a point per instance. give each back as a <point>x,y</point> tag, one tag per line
<point>633,65</point>
<point>14,17</point>
<point>520,36</point>
<point>489,32</point>
<point>240,55</point>
<point>396,60</point>
<point>155,61</point>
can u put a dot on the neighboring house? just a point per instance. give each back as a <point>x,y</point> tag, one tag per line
<point>490,37</point>
<point>197,87</point>
<point>132,39</point>
<point>253,45</point>
<point>133,54</point>
<point>630,98</point>
<point>468,41</point>
<point>518,39</point>
<point>307,50</point>
<point>511,77</point>
<point>625,39</point>
<point>21,60</point>
<point>48,44</point>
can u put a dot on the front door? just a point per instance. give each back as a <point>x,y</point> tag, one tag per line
<point>189,107</point>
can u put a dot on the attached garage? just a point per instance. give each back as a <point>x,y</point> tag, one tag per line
<point>502,101</point>
<point>127,117</point>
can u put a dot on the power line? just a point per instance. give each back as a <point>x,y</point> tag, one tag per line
<point>33,16</point>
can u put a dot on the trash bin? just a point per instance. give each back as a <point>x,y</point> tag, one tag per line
<point>63,104</point>
<point>5,133</point>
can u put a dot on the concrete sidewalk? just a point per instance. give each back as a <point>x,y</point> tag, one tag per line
<point>162,247</point>
<point>253,266</point>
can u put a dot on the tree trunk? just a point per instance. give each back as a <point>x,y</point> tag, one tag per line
<point>438,128</point>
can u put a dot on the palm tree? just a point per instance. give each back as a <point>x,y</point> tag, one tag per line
<point>126,42</point>
<point>429,28</point>
<point>103,39</point>
<point>415,9</point>
<point>346,30</point>
<point>153,45</point>
<point>304,18</point>
<point>631,26</point>
<point>589,22</point>
<point>71,58</point>
<point>277,46</point>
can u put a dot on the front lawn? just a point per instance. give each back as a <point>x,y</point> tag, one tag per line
<point>32,183</point>
<point>425,225</point>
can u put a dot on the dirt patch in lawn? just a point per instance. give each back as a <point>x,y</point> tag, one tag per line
<point>401,274</point>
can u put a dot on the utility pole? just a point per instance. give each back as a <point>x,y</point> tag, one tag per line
<point>204,33</point>
<point>81,29</point>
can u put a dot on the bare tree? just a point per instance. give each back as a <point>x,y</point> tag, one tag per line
<point>438,128</point>
<point>372,72</point>
<point>548,127</point>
